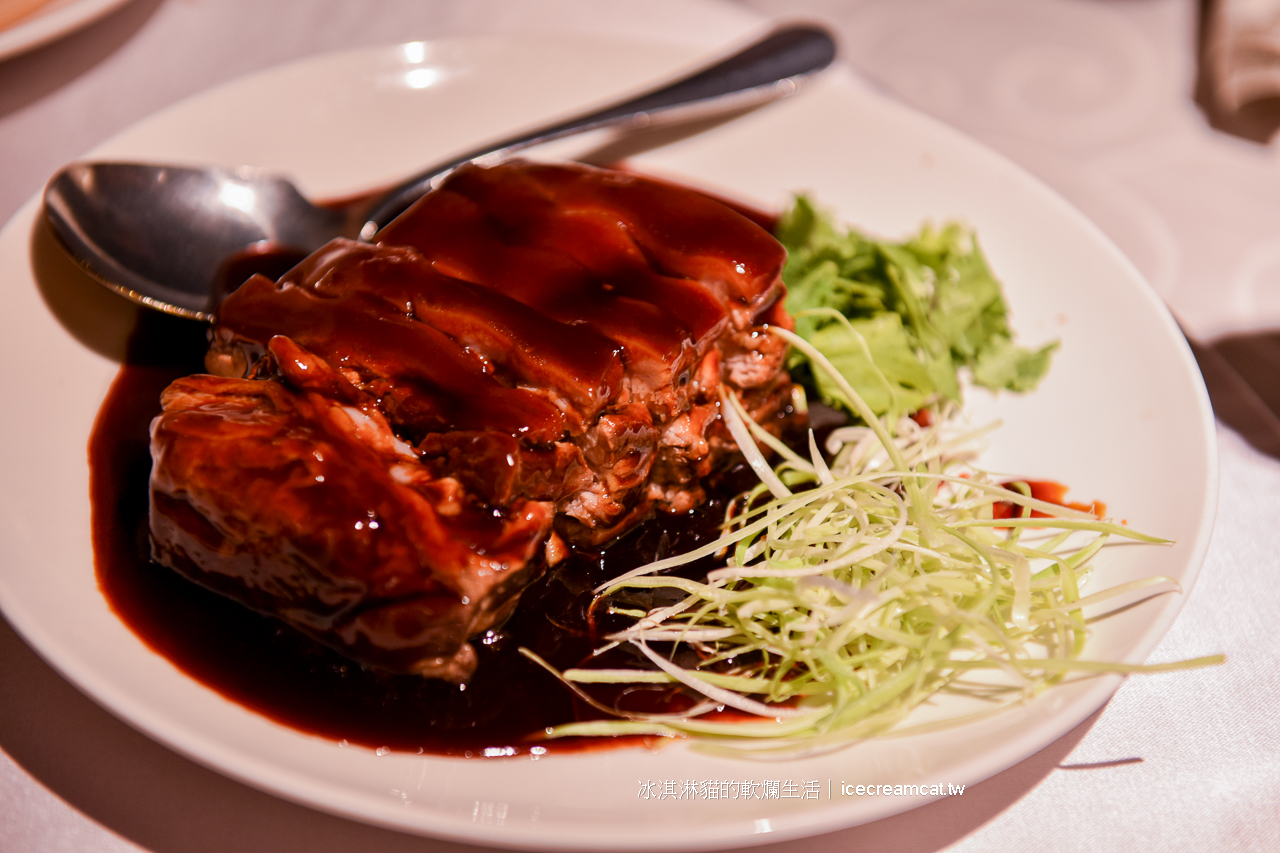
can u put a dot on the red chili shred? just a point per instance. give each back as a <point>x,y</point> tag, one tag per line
<point>1044,490</point>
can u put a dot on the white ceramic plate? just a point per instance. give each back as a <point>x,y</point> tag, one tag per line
<point>1123,417</point>
<point>52,20</point>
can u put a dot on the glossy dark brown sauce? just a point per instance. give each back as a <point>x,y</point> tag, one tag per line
<point>263,665</point>
<point>266,258</point>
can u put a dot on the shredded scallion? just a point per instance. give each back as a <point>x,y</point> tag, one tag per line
<point>854,589</point>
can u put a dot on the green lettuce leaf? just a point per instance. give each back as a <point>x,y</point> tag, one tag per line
<point>900,320</point>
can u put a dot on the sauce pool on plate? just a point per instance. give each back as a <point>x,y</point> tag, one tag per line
<point>266,666</point>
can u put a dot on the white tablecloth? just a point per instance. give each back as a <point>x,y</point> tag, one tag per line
<point>1092,96</point>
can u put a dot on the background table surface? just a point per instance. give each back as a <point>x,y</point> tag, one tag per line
<point>1093,96</point>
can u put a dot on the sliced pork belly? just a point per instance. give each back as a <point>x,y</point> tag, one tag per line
<point>572,364</point>
<point>530,352</point>
<point>628,229</point>
<point>425,381</point>
<point>582,244</point>
<point>308,508</point>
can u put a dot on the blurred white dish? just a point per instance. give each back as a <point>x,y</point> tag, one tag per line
<point>1123,417</point>
<point>51,20</point>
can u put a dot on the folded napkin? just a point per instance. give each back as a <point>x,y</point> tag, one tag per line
<point>1238,85</point>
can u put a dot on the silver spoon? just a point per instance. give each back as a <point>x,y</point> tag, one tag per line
<point>161,235</point>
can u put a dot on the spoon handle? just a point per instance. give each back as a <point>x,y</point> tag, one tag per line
<point>768,69</point>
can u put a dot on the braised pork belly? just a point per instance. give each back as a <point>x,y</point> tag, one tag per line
<point>397,437</point>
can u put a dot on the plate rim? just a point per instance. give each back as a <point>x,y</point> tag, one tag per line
<point>1152,635</point>
<point>43,27</point>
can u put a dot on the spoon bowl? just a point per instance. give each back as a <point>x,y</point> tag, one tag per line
<point>160,235</point>
<point>167,236</point>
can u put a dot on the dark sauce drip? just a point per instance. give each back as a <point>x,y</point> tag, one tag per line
<point>273,259</point>
<point>266,257</point>
<point>272,669</point>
